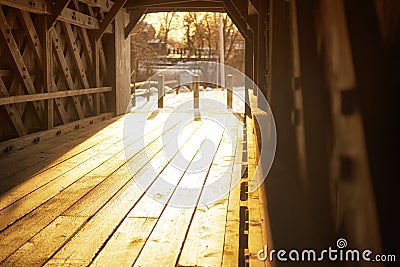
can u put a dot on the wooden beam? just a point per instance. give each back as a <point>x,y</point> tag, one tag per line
<point>23,72</point>
<point>121,69</point>
<point>79,19</point>
<point>170,8</point>
<point>33,39</point>
<point>109,18</point>
<point>76,56</point>
<point>82,20</point>
<point>183,6</point>
<point>13,114</point>
<point>34,6</point>
<point>236,17</point>
<point>65,70</point>
<point>77,60</point>
<point>103,61</point>
<point>85,36</point>
<point>5,73</point>
<point>159,3</point>
<point>102,4</point>
<point>27,140</point>
<point>56,12</point>
<point>57,94</point>
<point>135,16</point>
<point>47,68</point>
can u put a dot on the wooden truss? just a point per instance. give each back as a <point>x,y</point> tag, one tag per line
<point>53,69</point>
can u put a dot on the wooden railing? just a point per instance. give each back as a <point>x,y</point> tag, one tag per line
<point>58,94</point>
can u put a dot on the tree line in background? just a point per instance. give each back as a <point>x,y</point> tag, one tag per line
<point>185,35</point>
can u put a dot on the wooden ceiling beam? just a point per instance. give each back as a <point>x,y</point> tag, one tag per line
<point>104,5</point>
<point>131,4</point>
<point>109,18</point>
<point>185,9</point>
<point>82,20</point>
<point>135,16</point>
<point>56,12</point>
<point>237,18</point>
<point>34,6</point>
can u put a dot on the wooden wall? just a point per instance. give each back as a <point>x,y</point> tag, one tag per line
<point>54,70</point>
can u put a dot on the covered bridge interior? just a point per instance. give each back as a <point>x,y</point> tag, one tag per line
<point>328,68</point>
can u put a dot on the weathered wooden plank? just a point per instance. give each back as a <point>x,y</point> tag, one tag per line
<point>126,242</point>
<point>58,94</point>
<point>204,243</point>
<point>49,151</point>
<point>126,253</point>
<point>64,166</point>
<point>110,181</point>
<point>109,145</point>
<point>34,221</point>
<point>110,216</point>
<point>23,230</point>
<point>173,225</point>
<point>93,201</point>
<point>50,160</point>
<point>40,247</point>
<point>18,143</point>
<point>110,204</point>
<point>64,177</point>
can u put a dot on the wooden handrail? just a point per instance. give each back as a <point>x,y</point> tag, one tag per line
<point>59,94</point>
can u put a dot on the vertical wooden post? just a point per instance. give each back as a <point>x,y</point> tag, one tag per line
<point>196,91</point>
<point>249,73</point>
<point>122,63</point>
<point>161,91</point>
<point>96,66</point>
<point>47,71</point>
<point>256,58</point>
<point>134,95</point>
<point>148,90</point>
<point>262,55</point>
<point>229,87</point>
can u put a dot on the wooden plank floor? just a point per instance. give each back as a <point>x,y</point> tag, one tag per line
<point>76,200</point>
